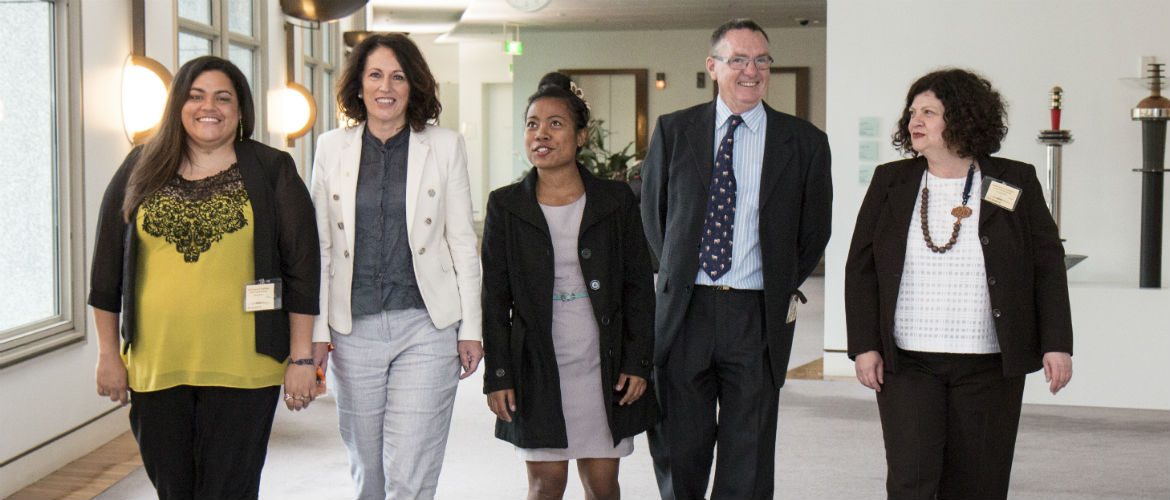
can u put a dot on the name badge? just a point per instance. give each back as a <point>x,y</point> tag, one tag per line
<point>262,295</point>
<point>1000,193</point>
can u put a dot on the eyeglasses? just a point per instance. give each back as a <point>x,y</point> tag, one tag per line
<point>740,63</point>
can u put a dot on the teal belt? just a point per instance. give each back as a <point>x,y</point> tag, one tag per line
<point>568,297</point>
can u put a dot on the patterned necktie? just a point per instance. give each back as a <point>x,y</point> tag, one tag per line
<point>719,224</point>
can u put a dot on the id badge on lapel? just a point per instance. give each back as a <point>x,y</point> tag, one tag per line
<point>1000,193</point>
<point>263,295</point>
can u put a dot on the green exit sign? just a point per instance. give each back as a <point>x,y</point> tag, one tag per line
<point>514,47</point>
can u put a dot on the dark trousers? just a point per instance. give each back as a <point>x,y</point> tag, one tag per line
<point>949,423</point>
<point>204,442</point>
<point>720,360</point>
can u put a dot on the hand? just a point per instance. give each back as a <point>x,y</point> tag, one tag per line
<point>870,370</point>
<point>1057,370</point>
<point>321,354</point>
<point>111,378</point>
<point>299,383</point>
<point>502,403</point>
<point>634,385</point>
<point>470,352</point>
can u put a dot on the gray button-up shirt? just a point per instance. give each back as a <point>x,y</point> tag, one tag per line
<point>383,273</point>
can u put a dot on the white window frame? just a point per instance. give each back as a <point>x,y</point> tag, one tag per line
<point>67,326</point>
<point>320,65</point>
<point>222,38</point>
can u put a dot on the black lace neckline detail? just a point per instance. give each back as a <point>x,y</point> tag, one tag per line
<point>194,214</point>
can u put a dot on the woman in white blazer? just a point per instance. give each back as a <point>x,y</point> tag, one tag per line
<point>400,282</point>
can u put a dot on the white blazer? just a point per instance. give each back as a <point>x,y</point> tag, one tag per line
<point>438,224</point>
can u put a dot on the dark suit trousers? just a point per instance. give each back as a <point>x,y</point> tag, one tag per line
<point>949,423</point>
<point>719,360</point>
<point>204,442</point>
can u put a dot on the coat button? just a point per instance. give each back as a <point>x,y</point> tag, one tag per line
<point>422,250</point>
<point>984,240</point>
<point>431,193</point>
<point>340,225</point>
<point>991,280</point>
<point>427,221</point>
<point>336,197</point>
<point>605,320</point>
<point>346,254</point>
<point>996,313</point>
<point>645,362</point>
<point>595,285</point>
<point>609,353</point>
<point>586,253</point>
<point>499,372</point>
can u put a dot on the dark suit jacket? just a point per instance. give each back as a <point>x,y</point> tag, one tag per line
<point>517,307</point>
<point>1022,254</point>
<point>796,197</point>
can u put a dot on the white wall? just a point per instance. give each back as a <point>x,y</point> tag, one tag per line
<point>480,63</point>
<point>55,392</point>
<point>678,53</point>
<point>876,50</point>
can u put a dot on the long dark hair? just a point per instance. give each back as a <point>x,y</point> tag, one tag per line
<point>422,106</point>
<point>974,113</point>
<point>161,157</point>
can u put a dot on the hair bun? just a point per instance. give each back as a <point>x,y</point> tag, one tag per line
<point>555,79</point>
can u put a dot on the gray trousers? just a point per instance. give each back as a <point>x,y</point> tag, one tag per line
<point>395,376</point>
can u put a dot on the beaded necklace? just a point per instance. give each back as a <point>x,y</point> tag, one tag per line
<point>960,212</point>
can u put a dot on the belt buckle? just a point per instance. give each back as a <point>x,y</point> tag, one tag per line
<point>723,288</point>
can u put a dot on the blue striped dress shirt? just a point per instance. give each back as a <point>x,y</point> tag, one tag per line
<point>747,265</point>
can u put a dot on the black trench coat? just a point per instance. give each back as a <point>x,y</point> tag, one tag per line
<point>517,307</point>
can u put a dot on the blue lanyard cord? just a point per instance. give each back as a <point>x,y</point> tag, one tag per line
<point>967,185</point>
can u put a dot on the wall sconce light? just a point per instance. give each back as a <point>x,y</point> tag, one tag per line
<point>145,83</point>
<point>660,81</point>
<point>294,111</point>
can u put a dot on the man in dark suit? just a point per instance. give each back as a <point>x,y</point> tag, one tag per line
<point>736,201</point>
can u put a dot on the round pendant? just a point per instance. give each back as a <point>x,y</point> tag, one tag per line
<point>961,212</point>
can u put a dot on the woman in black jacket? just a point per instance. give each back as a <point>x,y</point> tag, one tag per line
<point>956,289</point>
<point>568,307</point>
<point>206,261</point>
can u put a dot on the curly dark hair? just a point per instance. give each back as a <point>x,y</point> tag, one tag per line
<point>559,86</point>
<point>423,105</point>
<point>974,113</point>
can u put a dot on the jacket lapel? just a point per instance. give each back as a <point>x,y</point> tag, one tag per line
<point>902,194</point>
<point>597,205</point>
<point>417,154</point>
<point>993,169</point>
<point>701,141</point>
<point>777,154</point>
<point>525,207</point>
<point>350,161</point>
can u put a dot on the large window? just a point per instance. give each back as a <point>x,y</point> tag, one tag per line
<point>319,76</point>
<point>40,267</point>
<point>229,29</point>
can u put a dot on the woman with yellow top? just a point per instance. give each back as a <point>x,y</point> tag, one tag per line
<point>206,253</point>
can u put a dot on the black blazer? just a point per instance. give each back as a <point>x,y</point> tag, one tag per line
<point>517,307</point>
<point>284,245</point>
<point>1022,254</point>
<point>796,197</point>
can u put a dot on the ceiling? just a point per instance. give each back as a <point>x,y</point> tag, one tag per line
<point>459,20</point>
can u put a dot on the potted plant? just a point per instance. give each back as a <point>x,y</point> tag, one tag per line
<point>622,165</point>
